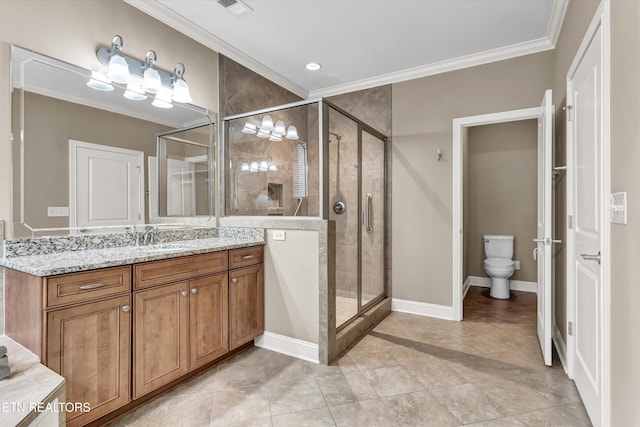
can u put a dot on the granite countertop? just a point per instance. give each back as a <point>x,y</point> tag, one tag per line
<point>73,261</point>
<point>29,384</point>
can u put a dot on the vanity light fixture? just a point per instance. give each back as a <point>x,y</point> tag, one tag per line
<point>263,134</point>
<point>118,67</point>
<point>254,167</point>
<point>99,81</point>
<point>180,87</point>
<point>151,82</point>
<point>275,137</point>
<point>264,166</point>
<point>141,77</point>
<point>245,167</point>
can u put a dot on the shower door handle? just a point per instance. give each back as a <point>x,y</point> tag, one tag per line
<point>368,212</point>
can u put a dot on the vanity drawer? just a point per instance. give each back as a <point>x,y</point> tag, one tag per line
<point>171,270</point>
<point>243,257</point>
<point>86,286</point>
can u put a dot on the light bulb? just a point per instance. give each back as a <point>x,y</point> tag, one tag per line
<point>263,134</point>
<point>249,128</point>
<point>274,137</point>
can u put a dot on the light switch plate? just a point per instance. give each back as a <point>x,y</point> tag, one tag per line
<point>57,211</point>
<point>279,235</point>
<point>618,208</point>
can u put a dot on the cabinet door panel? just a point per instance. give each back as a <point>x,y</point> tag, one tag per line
<point>90,345</point>
<point>246,304</point>
<point>208,319</point>
<point>160,336</point>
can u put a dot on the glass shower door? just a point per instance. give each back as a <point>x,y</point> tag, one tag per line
<point>356,197</point>
<point>372,229</point>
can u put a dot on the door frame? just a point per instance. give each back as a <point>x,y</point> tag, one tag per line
<point>459,125</point>
<point>73,147</point>
<point>601,21</point>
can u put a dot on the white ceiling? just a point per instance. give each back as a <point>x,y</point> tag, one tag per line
<point>363,43</point>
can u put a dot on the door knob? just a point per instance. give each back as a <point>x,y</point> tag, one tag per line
<point>126,308</point>
<point>234,280</point>
<point>535,254</point>
<point>194,290</point>
<point>589,257</point>
<point>184,293</point>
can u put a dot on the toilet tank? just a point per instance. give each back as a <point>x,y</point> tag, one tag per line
<point>498,246</point>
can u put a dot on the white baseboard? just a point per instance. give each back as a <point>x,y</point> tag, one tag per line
<point>422,308</point>
<point>514,285</point>
<point>465,287</point>
<point>561,347</point>
<point>293,347</point>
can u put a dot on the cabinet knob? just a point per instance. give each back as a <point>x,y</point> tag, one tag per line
<point>234,280</point>
<point>194,290</point>
<point>126,308</point>
<point>184,293</point>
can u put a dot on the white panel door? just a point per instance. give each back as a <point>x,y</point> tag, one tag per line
<point>585,96</point>
<point>543,252</point>
<point>105,185</point>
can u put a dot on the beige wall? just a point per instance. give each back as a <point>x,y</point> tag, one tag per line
<point>423,112</point>
<point>501,192</point>
<point>625,176</point>
<point>72,31</point>
<point>291,285</point>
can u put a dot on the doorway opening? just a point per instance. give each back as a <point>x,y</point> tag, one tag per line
<point>543,229</point>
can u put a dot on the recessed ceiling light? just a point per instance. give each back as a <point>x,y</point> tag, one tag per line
<point>312,66</point>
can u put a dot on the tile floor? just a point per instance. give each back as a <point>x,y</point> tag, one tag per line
<point>409,371</point>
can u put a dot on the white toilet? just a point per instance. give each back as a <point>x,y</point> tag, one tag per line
<point>498,248</point>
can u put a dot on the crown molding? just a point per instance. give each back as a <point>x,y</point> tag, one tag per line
<point>494,55</point>
<point>167,16</point>
<point>557,18</point>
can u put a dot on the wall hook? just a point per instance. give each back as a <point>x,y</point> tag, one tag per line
<point>439,155</point>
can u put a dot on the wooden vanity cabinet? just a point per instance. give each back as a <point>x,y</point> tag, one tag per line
<point>80,326</point>
<point>133,329</point>
<point>246,295</point>
<point>179,325</point>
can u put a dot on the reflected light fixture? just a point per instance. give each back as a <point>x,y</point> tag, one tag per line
<point>279,128</point>
<point>254,167</point>
<point>151,82</point>
<point>275,137</point>
<point>245,167</point>
<point>292,133</point>
<point>263,134</point>
<point>118,67</point>
<point>100,82</point>
<point>180,87</point>
<point>134,90</point>
<point>264,166</point>
<point>267,124</point>
<point>249,128</point>
<point>163,98</point>
<point>273,168</point>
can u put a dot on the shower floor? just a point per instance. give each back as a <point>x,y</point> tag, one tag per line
<point>347,307</point>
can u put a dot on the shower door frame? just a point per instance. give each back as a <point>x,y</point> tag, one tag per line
<point>324,138</point>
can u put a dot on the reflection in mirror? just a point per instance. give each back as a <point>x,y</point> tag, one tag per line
<point>80,154</point>
<point>184,173</point>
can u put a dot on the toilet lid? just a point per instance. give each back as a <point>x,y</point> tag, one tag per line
<point>498,262</point>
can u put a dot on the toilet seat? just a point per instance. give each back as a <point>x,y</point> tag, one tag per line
<point>498,262</point>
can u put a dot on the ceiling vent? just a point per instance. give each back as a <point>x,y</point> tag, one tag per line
<point>236,7</point>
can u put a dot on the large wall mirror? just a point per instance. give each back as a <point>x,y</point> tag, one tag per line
<point>86,159</point>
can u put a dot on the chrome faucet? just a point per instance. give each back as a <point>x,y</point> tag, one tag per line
<point>148,235</point>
